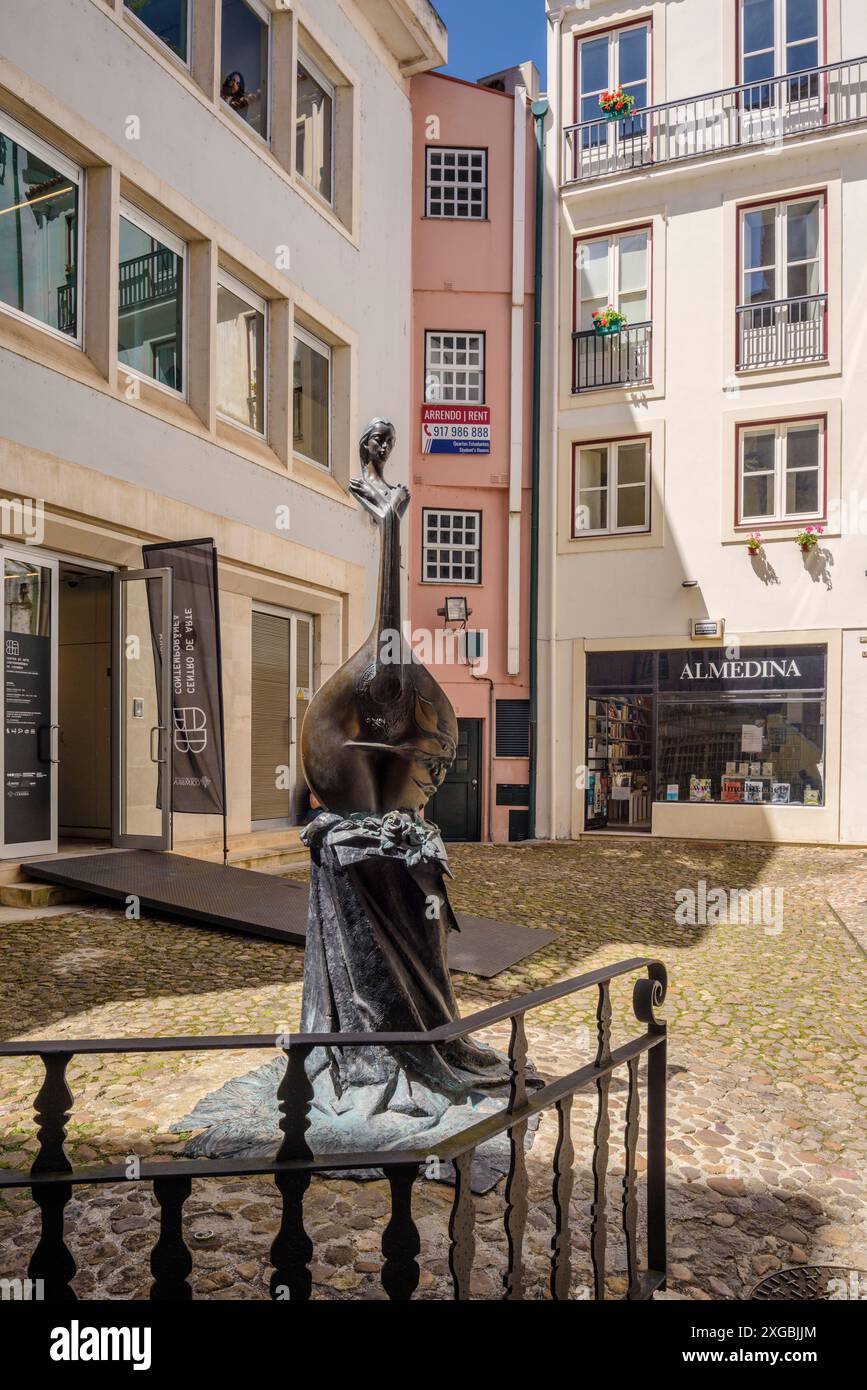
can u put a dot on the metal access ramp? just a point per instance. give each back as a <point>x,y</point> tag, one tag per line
<point>256,904</point>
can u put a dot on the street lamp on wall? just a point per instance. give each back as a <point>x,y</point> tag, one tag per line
<point>455,610</point>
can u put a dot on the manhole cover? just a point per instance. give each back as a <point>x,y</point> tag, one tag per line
<point>811,1282</point>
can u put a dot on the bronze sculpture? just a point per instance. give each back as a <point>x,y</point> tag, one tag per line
<point>377,741</point>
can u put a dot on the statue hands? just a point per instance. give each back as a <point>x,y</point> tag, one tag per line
<point>379,497</point>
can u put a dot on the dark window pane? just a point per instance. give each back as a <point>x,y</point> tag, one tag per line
<point>244,62</point>
<point>758,25</point>
<point>165,18</point>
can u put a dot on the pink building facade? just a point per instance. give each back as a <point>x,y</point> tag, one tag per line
<point>472,341</point>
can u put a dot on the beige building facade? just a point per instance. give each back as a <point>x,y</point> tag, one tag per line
<point>205,292</point>
<point>693,683</point>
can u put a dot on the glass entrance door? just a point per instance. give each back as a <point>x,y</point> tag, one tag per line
<point>282,688</point>
<point>29,748</point>
<point>142,799</point>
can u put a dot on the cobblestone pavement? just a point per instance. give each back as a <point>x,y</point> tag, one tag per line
<point>768,1041</point>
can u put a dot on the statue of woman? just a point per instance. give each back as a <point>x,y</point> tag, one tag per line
<point>381,733</point>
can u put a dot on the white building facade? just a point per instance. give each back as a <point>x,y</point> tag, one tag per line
<point>205,292</point>
<point>690,684</point>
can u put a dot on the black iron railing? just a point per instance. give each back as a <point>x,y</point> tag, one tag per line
<point>777,332</point>
<point>750,114</point>
<point>66,305</point>
<point>147,279</point>
<point>52,1177</point>
<point>615,359</point>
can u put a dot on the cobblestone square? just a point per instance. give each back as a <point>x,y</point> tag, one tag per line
<point>767,1044</point>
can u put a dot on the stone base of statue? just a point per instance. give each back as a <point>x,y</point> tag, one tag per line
<point>375,962</point>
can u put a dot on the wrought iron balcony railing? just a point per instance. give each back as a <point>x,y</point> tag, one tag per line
<point>616,359</point>
<point>148,279</point>
<point>52,1177</point>
<point>66,305</point>
<point>757,113</point>
<point>777,332</point>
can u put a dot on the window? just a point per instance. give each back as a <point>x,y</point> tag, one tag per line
<point>781,469</point>
<point>150,332</point>
<point>779,37</point>
<point>314,129</point>
<point>783,300</point>
<point>312,399</point>
<point>168,19</point>
<point>452,547</point>
<point>456,183</point>
<point>620,58</point>
<point>241,354</point>
<point>245,61</point>
<point>613,270</point>
<point>39,232</point>
<point>612,487</point>
<point>455,367</point>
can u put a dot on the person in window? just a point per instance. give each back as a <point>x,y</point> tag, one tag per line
<point>234,93</point>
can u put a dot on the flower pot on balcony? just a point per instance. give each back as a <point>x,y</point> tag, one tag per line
<point>608,322</point>
<point>616,105</point>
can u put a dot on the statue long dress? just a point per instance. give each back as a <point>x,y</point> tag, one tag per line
<point>377,741</point>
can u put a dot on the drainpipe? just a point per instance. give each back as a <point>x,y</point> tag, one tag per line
<point>490,797</point>
<point>540,111</point>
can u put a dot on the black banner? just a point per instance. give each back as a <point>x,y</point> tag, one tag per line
<point>198,772</point>
<point>707,670</point>
<point>27,793</point>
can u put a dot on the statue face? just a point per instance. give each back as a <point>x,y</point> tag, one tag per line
<point>379,445</point>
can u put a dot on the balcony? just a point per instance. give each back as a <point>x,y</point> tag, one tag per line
<point>619,359</point>
<point>764,113</point>
<point>782,332</point>
<point>146,280</point>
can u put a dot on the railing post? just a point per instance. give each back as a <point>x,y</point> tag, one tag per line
<point>561,1244</point>
<point>400,1239</point>
<point>657,1070</point>
<point>601,1132</point>
<point>517,1184</point>
<point>292,1248</point>
<point>171,1261</point>
<point>462,1220</point>
<point>52,1261</point>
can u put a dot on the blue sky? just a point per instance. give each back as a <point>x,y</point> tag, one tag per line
<point>486,35</point>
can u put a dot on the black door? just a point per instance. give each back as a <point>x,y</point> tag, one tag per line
<point>456,808</point>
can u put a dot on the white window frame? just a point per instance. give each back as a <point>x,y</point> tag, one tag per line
<point>255,301</point>
<point>435,547</point>
<point>442,183</point>
<point>325,350</point>
<point>160,43</point>
<point>780,430</point>
<point>21,136</point>
<point>613,240</point>
<point>781,261</point>
<point>263,14</point>
<point>313,69</point>
<point>781,43</point>
<point>431,370</point>
<point>172,243</point>
<point>613,37</point>
<point>611,487</point>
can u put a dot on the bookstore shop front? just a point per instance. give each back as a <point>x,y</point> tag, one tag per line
<point>741,729</point>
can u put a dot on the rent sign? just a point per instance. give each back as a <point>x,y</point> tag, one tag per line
<point>456,429</point>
